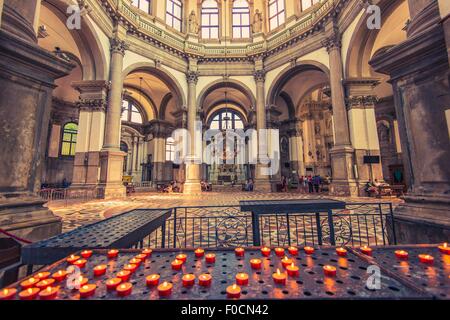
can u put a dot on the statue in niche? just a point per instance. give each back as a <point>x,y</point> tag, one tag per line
<point>257,22</point>
<point>317,129</point>
<point>384,131</point>
<point>193,24</point>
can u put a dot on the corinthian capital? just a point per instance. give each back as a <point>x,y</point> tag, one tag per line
<point>260,75</point>
<point>192,77</point>
<point>118,46</point>
<point>333,41</point>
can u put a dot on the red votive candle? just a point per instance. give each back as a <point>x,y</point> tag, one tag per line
<point>329,271</point>
<point>29,294</point>
<point>242,279</point>
<point>7,293</point>
<point>152,280</point>
<point>293,251</point>
<point>286,262</point>
<point>181,257</point>
<point>124,275</point>
<point>341,252</point>
<point>239,252</point>
<point>199,253</point>
<point>87,290</point>
<point>43,275</point>
<point>188,280</point>
<point>210,258</point>
<point>177,264</point>
<point>100,270</point>
<point>279,252</point>
<point>43,284</point>
<point>366,250</point>
<point>130,267</point>
<point>141,257</point>
<point>81,282</point>
<point>30,282</point>
<point>112,284</point>
<point>49,293</point>
<point>86,254</point>
<point>256,264</point>
<point>113,253</point>
<point>279,277</point>
<point>81,263</point>
<point>233,292</point>
<point>205,280</point>
<point>308,250</point>
<point>124,289</point>
<point>135,261</point>
<point>59,275</point>
<point>401,254</point>
<point>165,289</point>
<point>293,270</point>
<point>72,259</point>
<point>444,248</point>
<point>265,251</point>
<point>147,252</point>
<point>426,258</point>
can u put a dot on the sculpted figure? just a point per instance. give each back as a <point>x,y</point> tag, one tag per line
<point>257,22</point>
<point>193,24</point>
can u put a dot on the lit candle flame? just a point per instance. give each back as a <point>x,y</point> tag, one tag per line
<point>234,286</point>
<point>5,291</point>
<point>85,287</point>
<point>292,265</point>
<point>30,290</point>
<point>278,271</point>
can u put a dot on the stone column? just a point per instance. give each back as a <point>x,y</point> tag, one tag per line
<point>1,11</point>
<point>342,153</point>
<point>262,180</point>
<point>111,157</point>
<point>296,148</point>
<point>28,75</point>
<point>91,129</point>
<point>419,71</point>
<point>193,167</point>
<point>363,129</point>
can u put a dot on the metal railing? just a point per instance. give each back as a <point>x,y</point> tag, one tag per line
<point>66,195</point>
<point>226,226</point>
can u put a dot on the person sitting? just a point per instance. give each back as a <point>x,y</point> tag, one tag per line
<point>176,187</point>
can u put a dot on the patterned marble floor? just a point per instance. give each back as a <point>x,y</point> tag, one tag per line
<point>81,213</point>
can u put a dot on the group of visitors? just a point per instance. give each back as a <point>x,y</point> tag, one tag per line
<point>172,187</point>
<point>374,189</point>
<point>306,184</point>
<point>249,186</point>
<point>206,186</point>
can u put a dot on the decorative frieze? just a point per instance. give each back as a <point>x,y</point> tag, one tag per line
<point>368,101</point>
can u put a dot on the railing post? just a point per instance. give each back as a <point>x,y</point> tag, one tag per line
<point>256,233</point>
<point>288,229</point>
<point>331,225</point>
<point>163,235</point>
<point>319,229</point>
<point>391,213</point>
<point>174,227</point>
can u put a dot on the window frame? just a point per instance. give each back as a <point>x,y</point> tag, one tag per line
<point>150,2</point>
<point>235,117</point>
<point>170,149</point>
<point>277,15</point>
<point>72,142</point>
<point>210,27</point>
<point>130,111</point>
<point>241,27</point>
<point>172,14</point>
<point>313,3</point>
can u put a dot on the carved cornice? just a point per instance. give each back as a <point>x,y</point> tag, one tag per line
<point>354,102</point>
<point>92,104</point>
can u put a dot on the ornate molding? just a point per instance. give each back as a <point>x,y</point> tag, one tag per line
<point>333,42</point>
<point>92,104</point>
<point>364,102</point>
<point>192,77</point>
<point>118,46</point>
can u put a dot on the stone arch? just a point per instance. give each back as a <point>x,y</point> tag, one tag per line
<point>363,40</point>
<point>163,75</point>
<point>93,55</point>
<point>229,83</point>
<point>285,75</point>
<point>163,106</point>
<point>149,99</point>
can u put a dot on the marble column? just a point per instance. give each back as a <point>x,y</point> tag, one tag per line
<point>296,148</point>
<point>363,129</point>
<point>344,183</point>
<point>91,130</point>
<point>262,180</point>
<point>193,166</point>
<point>28,75</point>
<point>419,74</point>
<point>111,157</point>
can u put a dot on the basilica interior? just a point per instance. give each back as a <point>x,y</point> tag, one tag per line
<point>92,91</point>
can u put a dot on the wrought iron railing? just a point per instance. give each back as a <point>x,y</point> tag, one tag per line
<point>226,226</point>
<point>68,195</point>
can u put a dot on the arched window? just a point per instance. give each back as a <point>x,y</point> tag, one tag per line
<point>174,13</point>
<point>144,5</point>
<point>69,139</point>
<point>170,149</point>
<point>276,13</point>
<point>210,20</point>
<point>306,4</point>
<point>241,19</point>
<point>227,120</point>
<point>130,112</point>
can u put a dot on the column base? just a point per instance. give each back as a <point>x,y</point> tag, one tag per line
<point>343,183</point>
<point>421,219</point>
<point>263,186</point>
<point>29,219</point>
<point>192,188</point>
<point>344,189</point>
<point>111,172</point>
